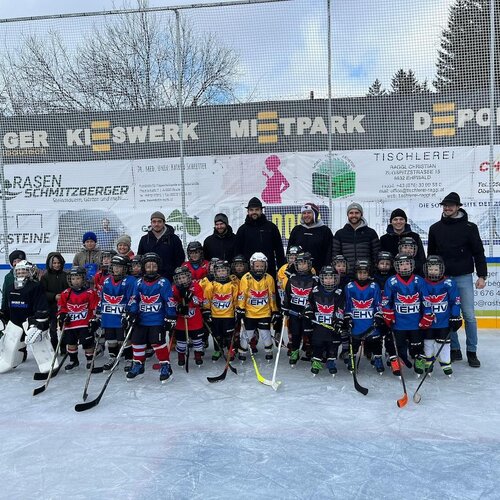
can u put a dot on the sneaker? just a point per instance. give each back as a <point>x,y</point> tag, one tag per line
<point>332,368</point>
<point>165,372</point>
<point>269,352</point>
<point>395,366</point>
<point>181,358</point>
<point>72,366</point>
<point>472,359</point>
<point>242,354</point>
<point>136,370</point>
<point>456,355</point>
<point>378,364</point>
<point>316,366</point>
<point>419,366</point>
<point>216,355</point>
<point>294,357</point>
<point>198,358</point>
<point>110,363</point>
<point>447,369</point>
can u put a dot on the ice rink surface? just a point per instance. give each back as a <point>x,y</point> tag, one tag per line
<point>314,438</point>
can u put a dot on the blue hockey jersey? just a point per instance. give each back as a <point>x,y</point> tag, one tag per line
<point>152,302</point>
<point>444,299</point>
<point>361,303</point>
<point>113,298</point>
<point>407,300</point>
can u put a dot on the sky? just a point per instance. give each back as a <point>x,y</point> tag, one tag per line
<point>282,47</point>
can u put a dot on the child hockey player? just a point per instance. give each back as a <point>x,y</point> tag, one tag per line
<point>239,267</point>
<point>362,301</point>
<point>257,306</point>
<point>406,311</point>
<point>445,301</point>
<point>115,294</point>
<point>150,312</point>
<point>198,267</point>
<point>188,301</point>
<point>286,270</point>
<point>221,296</point>
<point>339,262</point>
<point>297,291</point>
<point>136,266</point>
<point>326,308</point>
<point>103,273</point>
<point>408,246</point>
<point>76,307</point>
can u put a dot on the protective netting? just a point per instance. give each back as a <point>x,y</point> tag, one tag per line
<point>94,110</point>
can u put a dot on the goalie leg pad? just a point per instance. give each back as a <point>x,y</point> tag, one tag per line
<point>11,347</point>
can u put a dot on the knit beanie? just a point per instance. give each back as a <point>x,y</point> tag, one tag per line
<point>399,213</point>
<point>126,239</point>
<point>355,206</point>
<point>16,254</point>
<point>221,218</point>
<point>254,203</point>
<point>157,215</point>
<point>89,235</point>
<point>311,207</point>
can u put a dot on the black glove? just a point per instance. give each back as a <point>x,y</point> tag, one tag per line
<point>455,323</point>
<point>378,320</point>
<point>338,326</point>
<point>129,320</point>
<point>285,312</point>
<point>182,309</point>
<point>309,314</point>
<point>94,325</point>
<point>187,295</point>
<point>276,317</point>
<point>169,323</point>
<point>347,324</point>
<point>207,316</point>
<point>240,314</point>
<point>63,319</point>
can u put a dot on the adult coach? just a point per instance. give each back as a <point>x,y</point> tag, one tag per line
<point>356,240</point>
<point>314,236</point>
<point>163,241</point>
<point>220,244</point>
<point>257,234</point>
<point>457,241</point>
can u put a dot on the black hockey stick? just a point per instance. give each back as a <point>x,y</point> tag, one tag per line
<point>44,376</point>
<point>357,386</point>
<point>403,400</point>
<point>222,376</point>
<point>91,370</point>
<point>416,396</point>
<point>186,329</point>
<point>219,348</point>
<point>90,404</point>
<point>42,388</point>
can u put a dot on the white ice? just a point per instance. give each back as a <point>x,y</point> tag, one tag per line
<point>314,438</point>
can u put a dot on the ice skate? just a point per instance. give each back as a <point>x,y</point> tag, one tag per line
<point>447,369</point>
<point>72,365</point>
<point>181,359</point>
<point>136,371</point>
<point>331,366</point>
<point>378,364</point>
<point>165,372</point>
<point>316,366</point>
<point>198,358</point>
<point>216,356</point>
<point>294,357</point>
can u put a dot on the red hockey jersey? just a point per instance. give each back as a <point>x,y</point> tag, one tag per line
<point>195,318</point>
<point>78,305</point>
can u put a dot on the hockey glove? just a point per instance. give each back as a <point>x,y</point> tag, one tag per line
<point>389,317</point>
<point>94,325</point>
<point>285,312</point>
<point>129,320</point>
<point>182,309</point>
<point>240,314</point>
<point>455,323</point>
<point>347,324</point>
<point>378,320</point>
<point>187,295</point>
<point>426,321</point>
<point>276,317</point>
<point>169,324</point>
<point>207,317</point>
<point>63,319</point>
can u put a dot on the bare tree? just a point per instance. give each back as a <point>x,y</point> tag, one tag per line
<point>129,62</point>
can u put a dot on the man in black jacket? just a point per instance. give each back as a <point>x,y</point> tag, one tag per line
<point>220,244</point>
<point>257,234</point>
<point>356,240</point>
<point>163,241</point>
<point>313,236</point>
<point>457,241</point>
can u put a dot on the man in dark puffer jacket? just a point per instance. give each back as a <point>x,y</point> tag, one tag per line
<point>356,240</point>
<point>220,244</point>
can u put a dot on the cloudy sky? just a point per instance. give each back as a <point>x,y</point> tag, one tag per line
<point>282,46</point>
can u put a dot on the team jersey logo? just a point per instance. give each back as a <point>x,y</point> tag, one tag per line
<point>78,312</point>
<point>111,299</point>
<point>407,304</point>
<point>112,304</point>
<point>362,309</point>
<point>362,304</point>
<point>438,302</point>
<point>325,312</point>
<point>257,297</point>
<point>149,303</point>
<point>324,309</point>
<point>221,300</point>
<point>300,296</point>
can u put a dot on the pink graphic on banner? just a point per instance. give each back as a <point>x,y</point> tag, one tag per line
<point>276,183</point>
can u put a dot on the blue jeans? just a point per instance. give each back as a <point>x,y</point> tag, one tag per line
<point>466,289</point>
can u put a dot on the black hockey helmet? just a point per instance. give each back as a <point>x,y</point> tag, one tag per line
<point>76,271</point>
<point>151,257</point>
<point>182,277</point>
<point>408,246</point>
<point>195,246</point>
<point>383,255</point>
<point>119,265</point>
<point>242,264</point>
<point>292,253</point>
<point>222,270</point>
<point>400,264</point>
<point>362,265</point>
<point>340,259</point>
<point>304,257</point>
<point>434,268</point>
<point>329,278</point>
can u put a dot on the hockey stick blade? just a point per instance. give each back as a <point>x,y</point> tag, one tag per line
<point>260,378</point>
<point>218,378</point>
<point>43,376</point>
<point>403,401</point>
<point>89,404</point>
<point>97,369</point>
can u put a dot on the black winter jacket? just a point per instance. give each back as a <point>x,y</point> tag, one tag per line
<point>389,242</point>
<point>54,282</point>
<point>220,245</point>
<point>317,240</point>
<point>359,243</point>
<point>263,236</point>
<point>168,247</point>
<point>458,242</point>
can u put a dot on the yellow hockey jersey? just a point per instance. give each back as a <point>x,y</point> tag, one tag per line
<point>220,298</point>
<point>257,297</point>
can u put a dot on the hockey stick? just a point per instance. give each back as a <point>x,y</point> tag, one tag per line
<point>260,378</point>
<point>42,388</point>
<point>275,384</point>
<point>219,348</point>
<point>44,376</point>
<point>357,386</point>
<point>91,370</point>
<point>186,329</point>
<point>416,396</point>
<point>90,404</point>
<point>222,376</point>
<point>404,399</point>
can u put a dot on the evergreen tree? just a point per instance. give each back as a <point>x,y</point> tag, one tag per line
<point>376,89</point>
<point>406,83</point>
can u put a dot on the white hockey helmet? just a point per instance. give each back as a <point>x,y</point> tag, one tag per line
<point>23,272</point>
<point>258,270</point>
